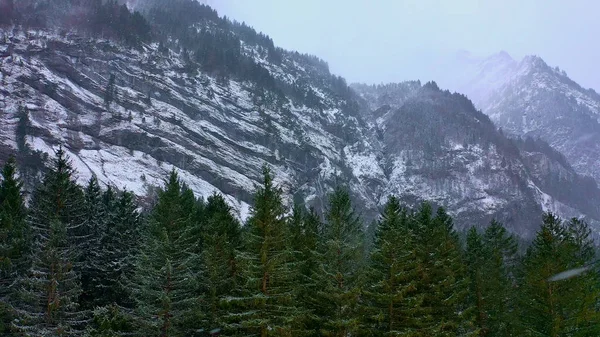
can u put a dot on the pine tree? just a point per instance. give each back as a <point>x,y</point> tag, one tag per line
<point>46,297</point>
<point>13,237</point>
<point>165,284</point>
<point>221,240</point>
<point>342,259</point>
<point>265,305</point>
<point>563,307</point>
<point>392,304</point>
<point>442,274</point>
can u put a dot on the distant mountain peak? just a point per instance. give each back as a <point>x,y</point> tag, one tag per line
<point>532,98</point>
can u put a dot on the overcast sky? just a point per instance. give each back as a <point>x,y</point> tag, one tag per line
<point>377,41</point>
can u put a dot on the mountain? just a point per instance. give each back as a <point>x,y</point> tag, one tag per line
<point>528,98</point>
<point>216,100</point>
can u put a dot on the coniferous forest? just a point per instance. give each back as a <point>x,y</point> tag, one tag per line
<point>88,261</point>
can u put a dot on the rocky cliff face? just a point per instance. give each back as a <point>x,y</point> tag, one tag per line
<point>129,115</point>
<point>528,98</point>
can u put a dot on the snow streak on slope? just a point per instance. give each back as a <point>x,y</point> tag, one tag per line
<point>218,133</point>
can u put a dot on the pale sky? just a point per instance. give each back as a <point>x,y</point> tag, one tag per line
<point>378,41</point>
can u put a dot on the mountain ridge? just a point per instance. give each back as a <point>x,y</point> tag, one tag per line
<point>537,100</point>
<point>219,112</point>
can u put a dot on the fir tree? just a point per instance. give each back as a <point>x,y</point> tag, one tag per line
<point>584,312</point>
<point>165,284</point>
<point>500,252</point>
<point>442,274</point>
<point>13,237</point>
<point>46,298</point>
<point>565,307</point>
<point>475,261</point>
<point>266,306</point>
<point>340,267</point>
<point>305,228</point>
<point>93,229</point>
<point>392,304</point>
<point>120,245</point>
<point>221,239</point>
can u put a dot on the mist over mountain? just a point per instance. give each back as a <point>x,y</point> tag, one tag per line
<point>529,98</point>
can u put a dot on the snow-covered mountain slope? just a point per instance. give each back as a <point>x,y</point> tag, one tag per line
<point>129,115</point>
<point>438,147</point>
<point>530,98</point>
<point>217,133</point>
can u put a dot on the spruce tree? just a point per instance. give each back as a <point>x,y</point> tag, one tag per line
<point>476,261</point>
<point>442,273</point>
<point>13,238</point>
<point>46,298</point>
<point>221,241</point>
<point>305,228</point>
<point>340,267</point>
<point>584,313</point>
<point>265,306</point>
<point>120,245</point>
<point>500,252</point>
<point>165,284</point>
<point>93,229</point>
<point>392,304</point>
<point>562,307</point>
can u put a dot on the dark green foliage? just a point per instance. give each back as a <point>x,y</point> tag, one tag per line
<point>92,230</point>
<point>266,302</point>
<point>305,230</point>
<point>191,268</point>
<point>13,237</point>
<point>120,246</point>
<point>46,298</point>
<point>110,321</point>
<point>340,267</point>
<point>165,284</point>
<point>566,307</point>
<point>392,304</point>
<point>221,241</point>
<point>442,272</point>
<point>490,259</point>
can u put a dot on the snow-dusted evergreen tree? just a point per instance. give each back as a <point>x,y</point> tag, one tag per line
<point>119,247</point>
<point>90,263</point>
<point>565,307</point>
<point>13,238</point>
<point>443,280</point>
<point>491,257</point>
<point>305,228</point>
<point>120,244</point>
<point>221,241</point>
<point>265,306</point>
<point>46,296</point>
<point>340,267</point>
<point>392,304</point>
<point>165,284</point>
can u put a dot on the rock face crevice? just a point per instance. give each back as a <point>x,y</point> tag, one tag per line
<point>415,141</point>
